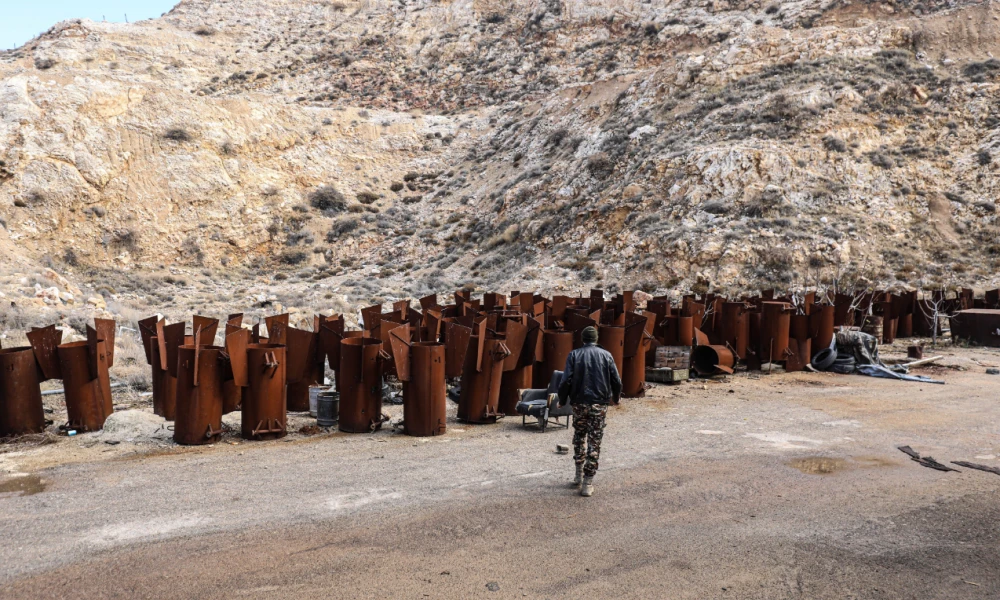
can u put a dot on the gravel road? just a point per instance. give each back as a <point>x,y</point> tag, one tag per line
<point>781,486</point>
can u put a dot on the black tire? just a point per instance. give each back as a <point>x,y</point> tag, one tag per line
<point>845,365</point>
<point>824,359</point>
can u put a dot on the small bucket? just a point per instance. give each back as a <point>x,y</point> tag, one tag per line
<point>327,409</point>
<point>314,392</point>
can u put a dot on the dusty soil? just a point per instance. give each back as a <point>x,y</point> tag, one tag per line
<point>780,486</point>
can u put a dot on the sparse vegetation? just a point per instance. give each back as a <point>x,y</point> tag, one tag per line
<point>326,198</point>
<point>177,134</point>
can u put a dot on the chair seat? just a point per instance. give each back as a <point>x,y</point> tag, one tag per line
<point>532,408</point>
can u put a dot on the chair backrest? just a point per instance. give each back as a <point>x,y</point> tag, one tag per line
<point>555,382</point>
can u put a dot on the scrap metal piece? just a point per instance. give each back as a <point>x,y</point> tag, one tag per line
<point>235,320</point>
<point>200,394</point>
<point>21,409</point>
<point>371,317</point>
<point>360,380</point>
<point>263,409</point>
<point>968,465</point>
<point>147,331</point>
<point>173,339</point>
<point>105,329</point>
<point>457,339</point>
<point>208,326</point>
<point>304,367</point>
<point>556,346</point>
<point>712,360</point>
<point>424,389</point>
<point>927,461</point>
<point>429,302</point>
<point>276,327</point>
<point>977,325</point>
<point>612,339</point>
<point>734,327</point>
<point>480,395</point>
<point>44,344</point>
<point>88,398</point>
<point>237,343</point>
<point>331,332</point>
<point>775,324</point>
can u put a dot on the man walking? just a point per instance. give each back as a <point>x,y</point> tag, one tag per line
<point>590,382</point>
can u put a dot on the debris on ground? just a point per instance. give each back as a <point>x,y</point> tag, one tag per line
<point>927,461</point>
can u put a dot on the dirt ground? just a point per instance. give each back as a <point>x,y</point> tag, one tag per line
<point>752,486</point>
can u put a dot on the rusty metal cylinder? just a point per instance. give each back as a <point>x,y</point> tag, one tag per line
<point>775,323</point>
<point>200,395</point>
<point>821,326</point>
<point>511,383</point>
<point>480,397</point>
<point>164,386</point>
<point>735,327</point>
<point>360,381</point>
<point>634,374</point>
<point>711,360</point>
<point>424,395</point>
<point>612,339</point>
<point>685,331</point>
<point>88,401</point>
<point>263,411</point>
<point>20,396</point>
<point>556,346</point>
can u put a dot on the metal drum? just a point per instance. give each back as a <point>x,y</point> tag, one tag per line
<point>20,396</point>
<point>360,385</point>
<point>735,327</point>
<point>88,397</point>
<point>775,323</point>
<point>263,413</point>
<point>327,408</point>
<point>424,398</point>
<point>200,395</point>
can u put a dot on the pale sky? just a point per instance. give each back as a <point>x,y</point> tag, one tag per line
<point>21,20</point>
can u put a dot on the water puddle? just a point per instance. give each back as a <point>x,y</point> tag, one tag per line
<point>818,465</point>
<point>29,485</point>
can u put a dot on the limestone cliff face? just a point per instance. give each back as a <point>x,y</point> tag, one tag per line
<point>421,144</point>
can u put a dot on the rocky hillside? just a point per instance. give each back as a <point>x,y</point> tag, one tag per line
<point>384,149</point>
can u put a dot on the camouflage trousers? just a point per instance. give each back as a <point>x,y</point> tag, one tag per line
<point>588,428</point>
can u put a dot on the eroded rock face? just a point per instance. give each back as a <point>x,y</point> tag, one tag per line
<point>531,144</point>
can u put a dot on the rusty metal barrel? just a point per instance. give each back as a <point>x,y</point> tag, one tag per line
<point>556,346</point>
<point>424,395</point>
<point>735,327</point>
<point>612,339</point>
<point>634,374</point>
<point>775,322</point>
<point>263,412</point>
<point>88,398</point>
<point>200,395</point>
<point>360,385</point>
<point>821,326</point>
<point>478,402</point>
<point>20,396</point>
<point>712,360</point>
